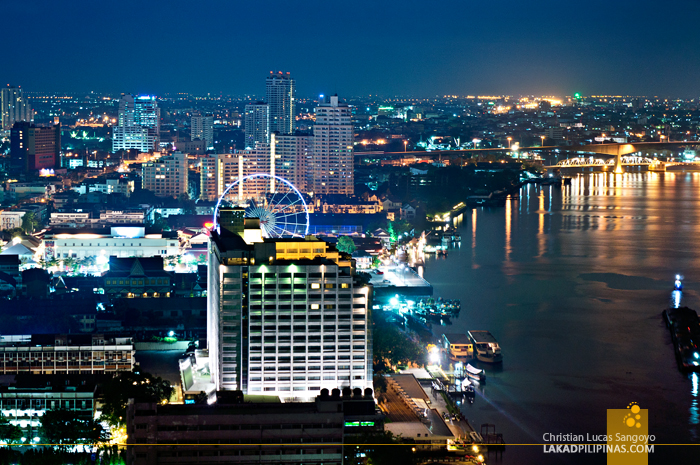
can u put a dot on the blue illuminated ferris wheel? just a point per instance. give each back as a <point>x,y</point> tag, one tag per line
<point>275,201</point>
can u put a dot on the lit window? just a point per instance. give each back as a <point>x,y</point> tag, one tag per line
<point>315,286</point>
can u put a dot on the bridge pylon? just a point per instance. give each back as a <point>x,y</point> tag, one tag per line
<point>618,164</point>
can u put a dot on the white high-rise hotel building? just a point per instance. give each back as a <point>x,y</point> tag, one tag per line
<point>138,126</point>
<point>202,128</point>
<point>285,317</point>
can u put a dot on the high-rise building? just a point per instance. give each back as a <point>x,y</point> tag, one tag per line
<point>166,177</point>
<point>221,170</point>
<point>202,128</point>
<point>331,167</point>
<point>291,153</point>
<point>257,124</point>
<point>281,101</point>
<point>138,126</point>
<point>14,107</point>
<point>34,148</point>
<point>285,317</point>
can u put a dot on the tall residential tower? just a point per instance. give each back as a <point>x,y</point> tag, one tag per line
<point>331,167</point>
<point>281,90</point>
<point>14,107</point>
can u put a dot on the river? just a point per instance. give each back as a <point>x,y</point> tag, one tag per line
<point>572,280</point>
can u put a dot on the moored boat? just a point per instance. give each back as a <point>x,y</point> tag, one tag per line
<point>486,347</point>
<point>474,373</point>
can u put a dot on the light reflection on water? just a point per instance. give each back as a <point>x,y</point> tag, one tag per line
<point>572,281</point>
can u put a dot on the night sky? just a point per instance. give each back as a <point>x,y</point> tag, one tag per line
<point>360,47</point>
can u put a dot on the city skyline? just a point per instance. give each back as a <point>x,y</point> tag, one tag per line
<point>389,49</point>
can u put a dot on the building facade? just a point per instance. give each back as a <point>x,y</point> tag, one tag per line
<point>281,92</point>
<point>25,400</point>
<point>166,177</point>
<point>291,156</point>
<point>202,128</point>
<point>257,124</point>
<point>245,433</point>
<point>138,125</point>
<point>117,241</point>
<point>331,167</point>
<point>65,354</point>
<point>14,107</point>
<point>285,318</point>
<point>33,148</point>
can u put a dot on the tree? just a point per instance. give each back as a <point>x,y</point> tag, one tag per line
<point>29,222</point>
<point>9,433</point>
<point>127,385</point>
<point>64,427</point>
<point>346,244</point>
<point>392,345</point>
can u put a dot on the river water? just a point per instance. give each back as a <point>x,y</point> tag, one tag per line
<point>571,281</point>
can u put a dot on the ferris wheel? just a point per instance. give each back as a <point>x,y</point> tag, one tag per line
<point>275,201</point>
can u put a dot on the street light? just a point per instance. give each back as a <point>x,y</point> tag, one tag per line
<point>405,144</point>
<point>509,139</point>
<point>603,141</point>
<point>542,143</point>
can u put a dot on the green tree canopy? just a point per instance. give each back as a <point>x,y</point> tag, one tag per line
<point>125,385</point>
<point>346,244</point>
<point>29,222</point>
<point>9,433</point>
<point>391,344</point>
<point>65,427</point>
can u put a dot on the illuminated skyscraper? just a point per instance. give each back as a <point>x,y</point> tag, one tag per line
<point>14,107</point>
<point>285,317</point>
<point>331,166</point>
<point>281,90</point>
<point>167,176</point>
<point>138,126</point>
<point>257,124</point>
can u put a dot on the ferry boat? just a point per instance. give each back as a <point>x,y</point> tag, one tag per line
<point>486,347</point>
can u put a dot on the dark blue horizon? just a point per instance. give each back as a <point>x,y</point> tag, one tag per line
<point>387,48</point>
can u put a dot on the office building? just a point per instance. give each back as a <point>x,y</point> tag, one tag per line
<point>285,317</point>
<point>202,128</point>
<point>52,354</point>
<point>14,107</point>
<point>138,125</point>
<point>281,90</point>
<point>257,124</point>
<point>33,148</point>
<point>331,166</point>
<point>167,176</point>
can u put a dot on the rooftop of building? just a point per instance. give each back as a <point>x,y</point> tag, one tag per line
<point>51,340</point>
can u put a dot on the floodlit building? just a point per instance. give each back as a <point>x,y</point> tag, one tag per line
<point>281,90</point>
<point>221,170</point>
<point>286,317</point>
<point>102,243</point>
<point>138,125</point>
<point>14,107</point>
<point>202,128</point>
<point>331,166</point>
<point>167,176</point>
<point>257,124</point>
<point>52,354</point>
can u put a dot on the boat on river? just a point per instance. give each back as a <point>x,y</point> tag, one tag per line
<point>474,373</point>
<point>486,347</point>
